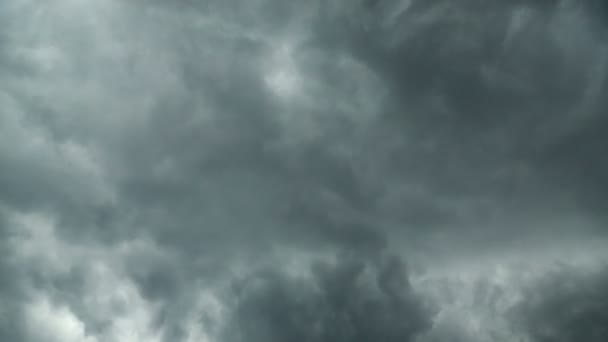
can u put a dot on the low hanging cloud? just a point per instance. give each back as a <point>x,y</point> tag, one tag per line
<point>347,300</point>
<point>224,171</point>
<point>566,305</point>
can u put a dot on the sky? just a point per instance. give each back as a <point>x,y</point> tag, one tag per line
<point>303,171</point>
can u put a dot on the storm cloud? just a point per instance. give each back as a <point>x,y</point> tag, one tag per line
<point>348,301</point>
<point>566,306</point>
<point>386,170</point>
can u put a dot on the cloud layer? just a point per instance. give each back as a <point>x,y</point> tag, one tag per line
<point>388,170</point>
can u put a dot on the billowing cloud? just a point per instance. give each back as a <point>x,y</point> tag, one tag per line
<point>566,305</point>
<point>349,300</point>
<point>220,170</point>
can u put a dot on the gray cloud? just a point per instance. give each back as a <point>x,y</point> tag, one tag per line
<point>11,292</point>
<point>566,305</point>
<point>352,300</point>
<point>152,150</point>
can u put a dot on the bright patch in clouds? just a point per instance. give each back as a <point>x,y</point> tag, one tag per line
<point>55,323</point>
<point>282,76</point>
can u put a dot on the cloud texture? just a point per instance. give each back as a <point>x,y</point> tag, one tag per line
<point>270,170</point>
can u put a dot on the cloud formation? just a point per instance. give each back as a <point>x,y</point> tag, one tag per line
<point>350,300</point>
<point>567,306</point>
<point>219,171</point>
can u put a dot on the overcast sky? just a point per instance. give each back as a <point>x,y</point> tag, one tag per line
<point>303,171</point>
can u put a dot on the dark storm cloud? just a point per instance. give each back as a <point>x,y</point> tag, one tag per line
<point>147,147</point>
<point>491,88</point>
<point>568,304</point>
<point>474,87</point>
<point>351,300</point>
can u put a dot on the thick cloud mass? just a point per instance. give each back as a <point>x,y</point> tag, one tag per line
<point>567,306</point>
<point>349,301</point>
<point>219,170</point>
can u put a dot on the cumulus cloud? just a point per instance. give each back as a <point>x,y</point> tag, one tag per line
<point>164,164</point>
